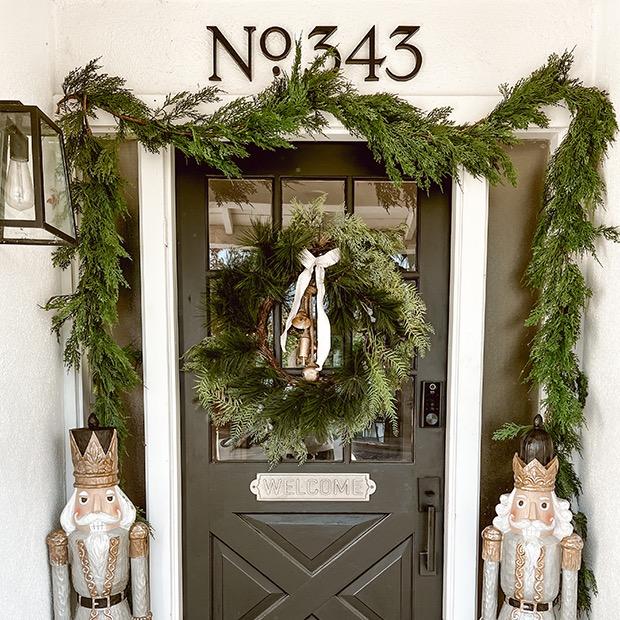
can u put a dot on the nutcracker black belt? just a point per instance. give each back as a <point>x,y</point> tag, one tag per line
<point>103,602</point>
<point>528,606</point>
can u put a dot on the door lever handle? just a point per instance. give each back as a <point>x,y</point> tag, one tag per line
<point>427,558</point>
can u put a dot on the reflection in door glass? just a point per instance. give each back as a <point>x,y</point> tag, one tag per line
<point>225,449</point>
<point>306,191</point>
<point>233,205</point>
<point>382,205</point>
<point>380,442</point>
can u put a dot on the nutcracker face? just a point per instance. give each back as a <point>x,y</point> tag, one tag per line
<point>97,508</point>
<point>532,512</point>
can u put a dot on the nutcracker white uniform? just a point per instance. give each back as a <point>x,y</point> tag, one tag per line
<point>530,551</point>
<point>100,547</point>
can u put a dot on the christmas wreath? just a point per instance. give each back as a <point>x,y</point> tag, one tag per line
<point>240,380</point>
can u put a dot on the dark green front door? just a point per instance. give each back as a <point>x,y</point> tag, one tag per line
<point>379,560</point>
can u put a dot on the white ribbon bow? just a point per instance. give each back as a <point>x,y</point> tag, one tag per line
<point>316,264</point>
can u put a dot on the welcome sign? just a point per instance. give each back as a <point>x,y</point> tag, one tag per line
<point>353,487</point>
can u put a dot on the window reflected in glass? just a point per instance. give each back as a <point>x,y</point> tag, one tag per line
<point>383,205</point>
<point>380,442</point>
<point>306,191</point>
<point>245,449</point>
<point>233,205</point>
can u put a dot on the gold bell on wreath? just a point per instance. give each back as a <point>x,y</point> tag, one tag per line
<point>306,347</point>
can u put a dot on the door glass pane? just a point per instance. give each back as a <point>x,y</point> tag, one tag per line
<point>379,442</point>
<point>306,191</point>
<point>382,204</point>
<point>225,449</point>
<point>233,205</point>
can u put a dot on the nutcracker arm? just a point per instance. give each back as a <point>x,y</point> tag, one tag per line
<point>139,552</point>
<point>58,547</point>
<point>491,554</point>
<point>571,563</point>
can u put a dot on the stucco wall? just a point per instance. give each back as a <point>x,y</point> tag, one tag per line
<point>602,343</point>
<point>31,405</point>
<point>469,46</point>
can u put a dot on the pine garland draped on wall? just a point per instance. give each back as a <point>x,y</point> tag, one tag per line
<point>422,145</point>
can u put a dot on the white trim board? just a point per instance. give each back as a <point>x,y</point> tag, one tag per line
<point>464,385</point>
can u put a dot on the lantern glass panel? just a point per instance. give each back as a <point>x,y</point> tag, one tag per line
<point>17,191</point>
<point>56,197</point>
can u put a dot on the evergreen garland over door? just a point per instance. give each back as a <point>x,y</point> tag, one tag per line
<point>325,560</point>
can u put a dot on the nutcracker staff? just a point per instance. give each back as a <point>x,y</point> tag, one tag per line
<point>99,538</point>
<point>531,548</point>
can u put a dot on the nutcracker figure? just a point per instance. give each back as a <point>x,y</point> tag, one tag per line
<point>531,548</point>
<point>99,539</point>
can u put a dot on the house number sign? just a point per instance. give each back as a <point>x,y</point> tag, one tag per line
<point>355,487</point>
<point>276,43</point>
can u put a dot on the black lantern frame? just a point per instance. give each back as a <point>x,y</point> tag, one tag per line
<point>55,235</point>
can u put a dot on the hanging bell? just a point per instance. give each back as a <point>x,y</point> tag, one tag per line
<point>304,347</point>
<point>310,372</point>
<point>303,319</point>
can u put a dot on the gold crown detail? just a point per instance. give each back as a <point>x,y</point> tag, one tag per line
<point>534,476</point>
<point>95,467</point>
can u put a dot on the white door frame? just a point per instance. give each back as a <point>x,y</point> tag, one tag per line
<point>470,204</point>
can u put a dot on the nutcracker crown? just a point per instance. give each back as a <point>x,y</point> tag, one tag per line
<point>94,452</point>
<point>535,467</point>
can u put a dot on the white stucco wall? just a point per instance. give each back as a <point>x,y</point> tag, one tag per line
<point>31,405</point>
<point>601,462</point>
<point>469,46</point>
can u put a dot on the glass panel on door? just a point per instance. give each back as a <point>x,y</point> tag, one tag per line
<point>383,205</point>
<point>233,205</point>
<point>306,191</point>
<point>381,441</point>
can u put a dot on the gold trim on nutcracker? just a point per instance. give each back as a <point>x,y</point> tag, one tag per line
<point>95,468</point>
<point>519,570</point>
<point>148,616</point>
<point>571,552</point>
<point>86,571</point>
<point>491,544</point>
<point>111,565</point>
<point>534,476</point>
<point>138,540</point>
<point>539,575</point>
<point>58,548</point>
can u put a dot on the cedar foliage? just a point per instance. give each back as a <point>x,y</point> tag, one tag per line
<point>423,145</point>
<point>365,295</point>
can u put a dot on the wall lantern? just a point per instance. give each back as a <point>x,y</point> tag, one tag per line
<point>35,201</point>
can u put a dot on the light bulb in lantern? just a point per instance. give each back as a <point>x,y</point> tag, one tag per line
<point>19,191</point>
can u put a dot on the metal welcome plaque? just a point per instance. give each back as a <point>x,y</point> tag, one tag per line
<point>354,487</point>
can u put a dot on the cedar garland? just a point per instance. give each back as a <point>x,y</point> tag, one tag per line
<point>425,146</point>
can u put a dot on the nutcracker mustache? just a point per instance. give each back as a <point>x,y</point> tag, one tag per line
<point>531,528</point>
<point>98,517</point>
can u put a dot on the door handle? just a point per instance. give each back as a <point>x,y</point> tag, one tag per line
<point>427,558</point>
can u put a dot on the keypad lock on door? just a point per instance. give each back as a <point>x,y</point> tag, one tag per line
<point>432,396</point>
